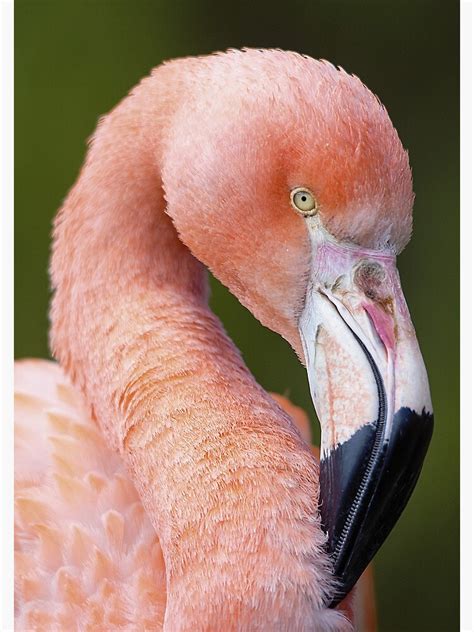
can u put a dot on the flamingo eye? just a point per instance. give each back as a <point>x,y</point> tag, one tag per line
<point>303,201</point>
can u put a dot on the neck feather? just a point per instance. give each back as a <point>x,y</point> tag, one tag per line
<point>229,484</point>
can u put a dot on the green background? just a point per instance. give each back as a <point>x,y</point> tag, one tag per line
<point>75,60</point>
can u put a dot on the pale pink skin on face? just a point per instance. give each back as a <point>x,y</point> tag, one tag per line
<point>194,167</point>
<point>363,296</point>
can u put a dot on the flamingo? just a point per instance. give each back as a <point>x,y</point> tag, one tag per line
<point>158,486</point>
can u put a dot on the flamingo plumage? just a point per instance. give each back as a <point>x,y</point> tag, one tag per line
<point>98,563</point>
<point>196,504</point>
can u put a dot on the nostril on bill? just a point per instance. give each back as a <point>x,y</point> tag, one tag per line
<point>370,277</point>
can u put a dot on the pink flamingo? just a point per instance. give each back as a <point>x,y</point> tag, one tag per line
<point>199,504</point>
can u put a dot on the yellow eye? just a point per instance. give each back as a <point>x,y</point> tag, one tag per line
<point>303,201</point>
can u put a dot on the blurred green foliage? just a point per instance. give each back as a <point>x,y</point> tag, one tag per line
<point>75,59</point>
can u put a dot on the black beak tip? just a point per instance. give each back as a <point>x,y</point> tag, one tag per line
<point>365,484</point>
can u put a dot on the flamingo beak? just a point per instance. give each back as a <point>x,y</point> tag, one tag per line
<point>370,390</point>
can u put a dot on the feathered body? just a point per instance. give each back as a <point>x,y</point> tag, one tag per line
<point>190,171</point>
<point>86,555</point>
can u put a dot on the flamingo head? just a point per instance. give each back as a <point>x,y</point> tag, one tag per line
<point>286,177</point>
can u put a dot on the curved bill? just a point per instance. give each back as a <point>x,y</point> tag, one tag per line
<point>370,390</point>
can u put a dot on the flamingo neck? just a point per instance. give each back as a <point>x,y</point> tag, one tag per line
<point>225,477</point>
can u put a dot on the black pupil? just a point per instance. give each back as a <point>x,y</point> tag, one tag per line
<point>303,198</point>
